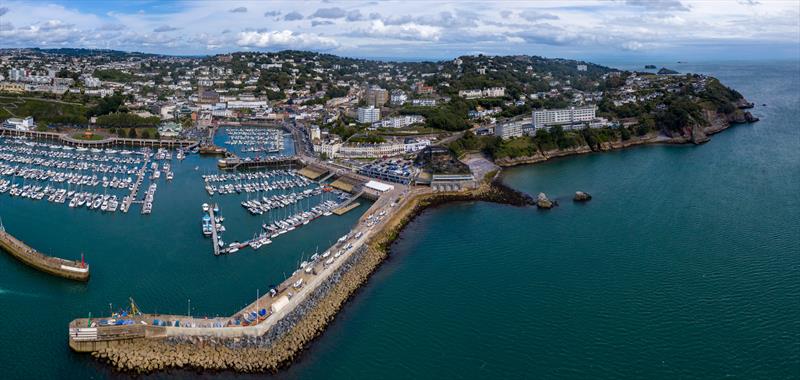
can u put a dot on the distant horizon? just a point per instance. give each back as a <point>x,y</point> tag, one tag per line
<point>413,30</point>
<point>595,60</point>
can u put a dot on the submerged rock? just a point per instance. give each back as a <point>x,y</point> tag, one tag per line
<point>581,196</point>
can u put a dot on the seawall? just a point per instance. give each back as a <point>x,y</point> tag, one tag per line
<point>281,345</point>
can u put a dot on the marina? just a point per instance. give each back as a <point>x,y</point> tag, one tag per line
<point>106,180</point>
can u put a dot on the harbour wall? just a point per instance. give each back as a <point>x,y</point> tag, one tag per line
<point>68,269</point>
<point>286,339</point>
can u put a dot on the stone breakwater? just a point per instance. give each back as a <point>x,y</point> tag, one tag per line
<point>287,339</point>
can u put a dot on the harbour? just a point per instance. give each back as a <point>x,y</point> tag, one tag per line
<point>569,284</point>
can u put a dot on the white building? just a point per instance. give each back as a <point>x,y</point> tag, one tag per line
<point>314,132</point>
<point>368,114</point>
<point>25,124</point>
<point>470,94</point>
<point>399,121</point>
<point>547,118</point>
<point>252,104</point>
<point>581,67</point>
<point>386,149</point>
<point>491,92</point>
<point>398,98</point>
<point>423,102</point>
<point>510,129</point>
<point>415,145</point>
<point>91,82</point>
<point>494,92</point>
<point>16,75</point>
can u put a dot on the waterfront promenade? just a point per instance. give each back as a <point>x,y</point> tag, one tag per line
<point>103,143</point>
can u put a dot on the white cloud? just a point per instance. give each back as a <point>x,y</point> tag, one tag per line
<point>405,31</point>
<point>285,39</point>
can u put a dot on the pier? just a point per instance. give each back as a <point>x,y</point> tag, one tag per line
<point>69,269</point>
<point>214,236</point>
<point>232,163</point>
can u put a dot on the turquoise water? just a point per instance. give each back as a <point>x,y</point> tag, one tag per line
<point>685,265</point>
<point>161,260</point>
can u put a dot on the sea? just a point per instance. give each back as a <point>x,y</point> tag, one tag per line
<point>685,264</point>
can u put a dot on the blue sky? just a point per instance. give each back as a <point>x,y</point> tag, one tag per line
<point>588,29</point>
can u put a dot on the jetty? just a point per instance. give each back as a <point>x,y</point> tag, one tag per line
<point>69,269</point>
<point>285,162</point>
<point>214,236</point>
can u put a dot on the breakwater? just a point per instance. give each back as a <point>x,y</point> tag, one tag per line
<point>69,269</point>
<point>287,338</point>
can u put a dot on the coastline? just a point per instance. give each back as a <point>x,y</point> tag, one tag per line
<point>693,134</point>
<point>279,347</point>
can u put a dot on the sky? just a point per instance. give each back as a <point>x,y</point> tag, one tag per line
<point>689,30</point>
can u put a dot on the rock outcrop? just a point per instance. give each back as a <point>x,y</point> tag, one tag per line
<point>543,202</point>
<point>581,196</point>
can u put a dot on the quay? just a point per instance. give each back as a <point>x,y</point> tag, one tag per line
<point>69,269</point>
<point>104,143</point>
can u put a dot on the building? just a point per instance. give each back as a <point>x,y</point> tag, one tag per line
<point>511,129</point>
<point>368,114</point>
<point>314,133</point>
<point>420,88</point>
<point>394,170</point>
<point>423,102</point>
<point>12,87</point>
<point>251,104</point>
<point>376,150</point>
<point>581,67</point>
<point>329,149</point>
<point>412,144</point>
<point>398,98</point>
<point>491,92</point>
<point>470,94</point>
<point>547,118</point>
<point>376,96</point>
<point>399,121</point>
<point>25,124</point>
<point>169,129</point>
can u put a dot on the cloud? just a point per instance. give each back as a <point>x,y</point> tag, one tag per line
<point>334,12</point>
<point>374,16</point>
<point>3,10</point>
<point>321,22</point>
<point>292,16</point>
<point>354,15</point>
<point>165,28</point>
<point>238,10</point>
<point>405,31</point>
<point>285,39</point>
<point>658,5</point>
<point>111,27</point>
<point>534,15</point>
<point>272,13</point>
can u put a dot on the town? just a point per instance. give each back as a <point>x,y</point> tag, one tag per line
<point>369,116</point>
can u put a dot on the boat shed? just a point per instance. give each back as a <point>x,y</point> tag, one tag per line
<point>379,186</point>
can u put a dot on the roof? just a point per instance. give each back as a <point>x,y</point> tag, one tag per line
<point>380,186</point>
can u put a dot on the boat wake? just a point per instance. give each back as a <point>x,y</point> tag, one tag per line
<point>16,293</point>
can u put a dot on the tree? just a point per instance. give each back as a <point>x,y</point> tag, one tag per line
<point>132,133</point>
<point>146,134</point>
